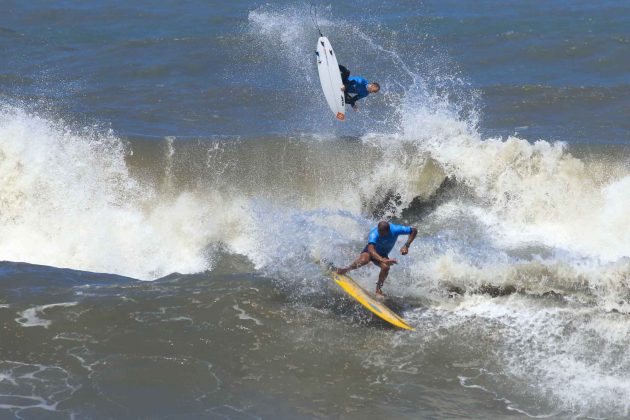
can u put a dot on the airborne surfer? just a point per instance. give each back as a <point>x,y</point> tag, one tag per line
<point>353,87</point>
<point>381,241</point>
<point>356,86</point>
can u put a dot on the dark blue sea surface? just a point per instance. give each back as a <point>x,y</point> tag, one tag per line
<point>553,70</point>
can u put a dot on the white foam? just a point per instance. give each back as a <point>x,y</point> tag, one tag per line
<point>539,192</point>
<point>245,316</point>
<point>69,201</point>
<point>27,386</point>
<point>573,356</point>
<point>30,317</point>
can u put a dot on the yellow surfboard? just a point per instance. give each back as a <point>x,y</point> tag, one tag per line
<point>363,297</point>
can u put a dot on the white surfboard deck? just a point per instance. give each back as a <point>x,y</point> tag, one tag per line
<point>330,78</point>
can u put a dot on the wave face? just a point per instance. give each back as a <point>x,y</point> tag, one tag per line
<point>518,284</point>
<point>65,187</point>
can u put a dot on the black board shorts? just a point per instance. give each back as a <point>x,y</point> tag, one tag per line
<point>365,249</point>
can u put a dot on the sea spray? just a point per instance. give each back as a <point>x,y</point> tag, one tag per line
<point>69,201</point>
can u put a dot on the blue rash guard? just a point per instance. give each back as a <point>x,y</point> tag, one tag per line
<point>356,85</point>
<point>384,244</point>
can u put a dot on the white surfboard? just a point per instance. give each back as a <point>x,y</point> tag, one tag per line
<point>330,78</point>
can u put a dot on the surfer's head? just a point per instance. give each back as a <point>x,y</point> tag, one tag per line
<point>383,228</point>
<point>373,87</point>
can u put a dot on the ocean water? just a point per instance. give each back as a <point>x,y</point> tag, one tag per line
<point>170,174</point>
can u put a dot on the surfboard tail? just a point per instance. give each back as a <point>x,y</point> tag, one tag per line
<point>370,303</point>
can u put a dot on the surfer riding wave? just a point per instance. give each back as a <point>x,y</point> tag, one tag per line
<point>381,241</point>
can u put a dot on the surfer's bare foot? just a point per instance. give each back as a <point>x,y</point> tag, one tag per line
<point>379,292</point>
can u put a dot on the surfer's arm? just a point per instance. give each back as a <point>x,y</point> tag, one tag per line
<point>373,254</point>
<point>405,248</point>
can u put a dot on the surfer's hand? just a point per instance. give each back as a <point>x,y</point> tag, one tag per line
<point>404,250</point>
<point>390,261</point>
<point>343,88</point>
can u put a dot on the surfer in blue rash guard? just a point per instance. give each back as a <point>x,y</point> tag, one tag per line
<point>356,86</point>
<point>381,241</point>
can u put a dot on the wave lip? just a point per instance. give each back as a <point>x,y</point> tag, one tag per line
<point>69,200</point>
